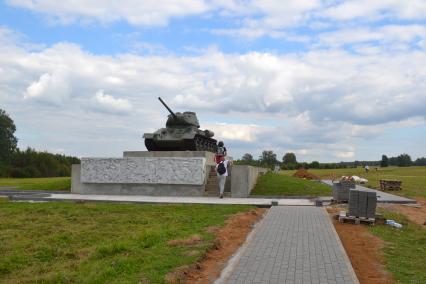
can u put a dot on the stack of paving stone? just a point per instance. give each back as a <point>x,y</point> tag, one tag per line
<point>341,189</point>
<point>362,203</point>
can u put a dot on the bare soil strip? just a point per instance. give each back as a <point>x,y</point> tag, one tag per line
<point>364,251</point>
<point>228,240</point>
<point>414,214</point>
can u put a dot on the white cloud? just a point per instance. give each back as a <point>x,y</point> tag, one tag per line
<point>345,155</point>
<point>258,18</point>
<point>239,132</point>
<point>250,19</point>
<point>107,103</point>
<point>258,13</point>
<point>378,9</point>
<point>49,88</point>
<point>383,37</point>
<point>146,13</point>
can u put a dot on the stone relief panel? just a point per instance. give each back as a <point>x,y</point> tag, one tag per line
<point>158,170</point>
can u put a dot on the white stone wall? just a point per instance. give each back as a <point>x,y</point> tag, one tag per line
<point>150,170</point>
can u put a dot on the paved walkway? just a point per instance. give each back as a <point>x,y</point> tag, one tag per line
<point>293,245</point>
<point>382,197</point>
<point>163,199</point>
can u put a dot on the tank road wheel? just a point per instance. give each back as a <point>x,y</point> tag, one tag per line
<point>202,144</point>
<point>189,144</point>
<point>198,144</point>
<point>209,145</point>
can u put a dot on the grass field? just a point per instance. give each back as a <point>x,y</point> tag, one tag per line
<point>56,183</point>
<point>272,184</point>
<point>101,242</point>
<point>413,178</point>
<point>404,250</point>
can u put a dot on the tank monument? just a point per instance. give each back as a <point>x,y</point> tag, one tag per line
<point>179,162</point>
<point>182,133</point>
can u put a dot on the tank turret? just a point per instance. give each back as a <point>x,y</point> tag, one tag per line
<point>181,133</point>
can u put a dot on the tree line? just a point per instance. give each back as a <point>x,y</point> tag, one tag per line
<point>28,163</point>
<point>403,160</point>
<point>289,162</point>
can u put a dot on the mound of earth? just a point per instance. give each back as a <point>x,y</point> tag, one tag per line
<point>302,173</point>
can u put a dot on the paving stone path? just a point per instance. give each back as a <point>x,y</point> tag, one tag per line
<point>296,244</point>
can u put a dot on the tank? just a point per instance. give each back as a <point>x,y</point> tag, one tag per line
<point>182,133</point>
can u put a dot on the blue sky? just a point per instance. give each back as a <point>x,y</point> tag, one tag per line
<point>329,80</point>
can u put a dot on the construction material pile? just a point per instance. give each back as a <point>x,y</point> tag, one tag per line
<point>340,193</point>
<point>359,180</point>
<point>362,203</point>
<point>342,187</point>
<point>302,173</point>
<point>347,182</point>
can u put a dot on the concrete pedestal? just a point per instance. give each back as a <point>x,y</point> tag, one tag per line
<point>180,173</point>
<point>158,173</point>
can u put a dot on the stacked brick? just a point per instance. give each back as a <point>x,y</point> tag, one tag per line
<point>341,189</point>
<point>362,203</point>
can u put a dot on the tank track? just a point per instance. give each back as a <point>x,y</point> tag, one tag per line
<point>199,143</point>
<point>202,143</point>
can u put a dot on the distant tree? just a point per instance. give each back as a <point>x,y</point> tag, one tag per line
<point>315,165</point>
<point>302,165</point>
<point>268,157</point>
<point>289,158</point>
<point>404,160</point>
<point>7,139</point>
<point>247,157</point>
<point>420,162</point>
<point>385,161</point>
<point>32,164</point>
<point>393,161</point>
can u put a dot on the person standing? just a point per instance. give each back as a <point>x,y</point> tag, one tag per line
<point>222,173</point>
<point>220,153</point>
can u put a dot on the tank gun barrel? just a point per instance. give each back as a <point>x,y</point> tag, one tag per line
<point>167,107</point>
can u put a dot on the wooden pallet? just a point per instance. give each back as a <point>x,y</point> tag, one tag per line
<point>343,217</point>
<point>390,184</point>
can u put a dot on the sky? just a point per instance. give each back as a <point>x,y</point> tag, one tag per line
<point>329,80</point>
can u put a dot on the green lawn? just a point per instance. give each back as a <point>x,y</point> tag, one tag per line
<point>271,184</point>
<point>56,183</point>
<point>101,242</point>
<point>413,178</point>
<point>405,249</point>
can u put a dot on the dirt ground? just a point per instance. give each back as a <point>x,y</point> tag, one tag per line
<point>228,239</point>
<point>414,214</point>
<point>364,251</point>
